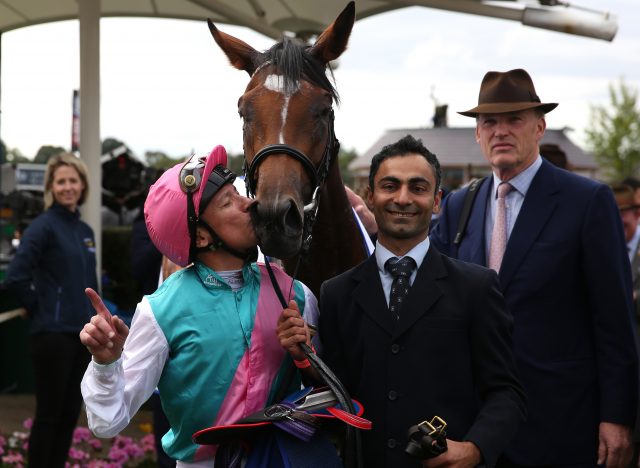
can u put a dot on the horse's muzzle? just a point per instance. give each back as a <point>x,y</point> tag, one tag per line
<point>278,227</point>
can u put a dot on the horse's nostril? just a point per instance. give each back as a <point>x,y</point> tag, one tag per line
<point>292,220</point>
<point>253,212</point>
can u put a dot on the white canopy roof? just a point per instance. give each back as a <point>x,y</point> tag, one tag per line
<point>302,17</point>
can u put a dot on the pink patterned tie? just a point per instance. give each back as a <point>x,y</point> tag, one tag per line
<point>499,235</point>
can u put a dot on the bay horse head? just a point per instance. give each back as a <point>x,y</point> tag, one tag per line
<point>289,141</point>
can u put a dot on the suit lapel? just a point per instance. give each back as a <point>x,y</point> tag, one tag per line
<point>369,296</point>
<point>539,204</point>
<point>424,292</point>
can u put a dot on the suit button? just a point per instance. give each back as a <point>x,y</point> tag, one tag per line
<point>395,348</point>
<point>393,395</point>
<point>391,443</point>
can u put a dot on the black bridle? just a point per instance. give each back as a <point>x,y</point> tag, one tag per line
<point>317,175</point>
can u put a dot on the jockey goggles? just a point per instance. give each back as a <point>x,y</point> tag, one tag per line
<point>190,180</point>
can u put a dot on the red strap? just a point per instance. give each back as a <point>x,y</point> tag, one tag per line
<point>351,419</point>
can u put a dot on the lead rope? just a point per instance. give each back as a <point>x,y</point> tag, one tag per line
<point>353,446</point>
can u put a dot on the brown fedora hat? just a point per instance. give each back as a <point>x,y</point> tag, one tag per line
<point>507,92</point>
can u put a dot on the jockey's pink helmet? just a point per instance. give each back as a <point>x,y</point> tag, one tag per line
<point>166,209</point>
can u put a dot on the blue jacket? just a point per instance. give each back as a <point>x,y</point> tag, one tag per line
<point>54,264</point>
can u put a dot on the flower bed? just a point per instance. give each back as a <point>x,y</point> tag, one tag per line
<point>86,451</point>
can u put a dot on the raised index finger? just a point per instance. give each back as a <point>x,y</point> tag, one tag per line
<point>98,305</point>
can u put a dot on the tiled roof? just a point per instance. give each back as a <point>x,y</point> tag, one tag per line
<point>458,147</point>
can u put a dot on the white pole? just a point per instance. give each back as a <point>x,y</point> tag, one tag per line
<point>90,147</point>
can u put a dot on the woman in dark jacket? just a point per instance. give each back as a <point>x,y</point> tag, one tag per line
<point>49,273</point>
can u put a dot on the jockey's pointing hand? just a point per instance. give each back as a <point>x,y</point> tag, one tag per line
<point>105,334</point>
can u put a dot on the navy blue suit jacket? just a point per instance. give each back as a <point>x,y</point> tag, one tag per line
<point>567,281</point>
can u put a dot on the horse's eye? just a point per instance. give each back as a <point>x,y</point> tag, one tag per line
<point>245,116</point>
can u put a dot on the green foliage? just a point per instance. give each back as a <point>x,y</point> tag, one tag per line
<point>614,133</point>
<point>235,162</point>
<point>109,144</point>
<point>11,155</point>
<point>160,160</point>
<point>15,155</point>
<point>344,158</point>
<point>45,152</point>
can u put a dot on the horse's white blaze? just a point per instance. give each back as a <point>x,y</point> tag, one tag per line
<point>275,83</point>
<point>283,115</point>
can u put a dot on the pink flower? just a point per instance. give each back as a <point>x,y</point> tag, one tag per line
<point>118,455</point>
<point>148,443</point>
<point>28,423</point>
<point>134,451</point>
<point>76,454</point>
<point>13,458</point>
<point>81,434</point>
<point>95,444</point>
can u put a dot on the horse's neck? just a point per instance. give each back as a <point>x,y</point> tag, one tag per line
<point>337,243</point>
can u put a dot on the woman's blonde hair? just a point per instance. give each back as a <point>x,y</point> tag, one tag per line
<point>64,159</point>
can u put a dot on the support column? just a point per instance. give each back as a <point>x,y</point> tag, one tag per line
<point>90,147</point>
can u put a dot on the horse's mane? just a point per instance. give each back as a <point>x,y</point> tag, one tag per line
<point>294,62</point>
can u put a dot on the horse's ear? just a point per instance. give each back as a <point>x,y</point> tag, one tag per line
<point>333,40</point>
<point>239,53</point>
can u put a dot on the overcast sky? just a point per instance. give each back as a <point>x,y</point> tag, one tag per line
<point>166,86</point>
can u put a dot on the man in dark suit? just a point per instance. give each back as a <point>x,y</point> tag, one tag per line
<point>565,276</point>
<point>443,349</point>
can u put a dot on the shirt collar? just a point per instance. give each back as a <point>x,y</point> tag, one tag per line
<point>632,245</point>
<point>418,252</point>
<point>522,181</point>
<point>212,279</point>
<point>58,208</point>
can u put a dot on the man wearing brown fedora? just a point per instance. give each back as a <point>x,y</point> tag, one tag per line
<point>557,243</point>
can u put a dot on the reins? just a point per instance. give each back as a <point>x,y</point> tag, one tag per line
<point>318,175</point>
<point>353,450</point>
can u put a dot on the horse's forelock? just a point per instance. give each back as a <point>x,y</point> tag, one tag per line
<point>294,62</point>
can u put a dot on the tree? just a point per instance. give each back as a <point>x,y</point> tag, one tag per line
<point>16,156</point>
<point>109,144</point>
<point>235,163</point>
<point>345,157</point>
<point>45,152</point>
<point>160,160</point>
<point>614,133</point>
